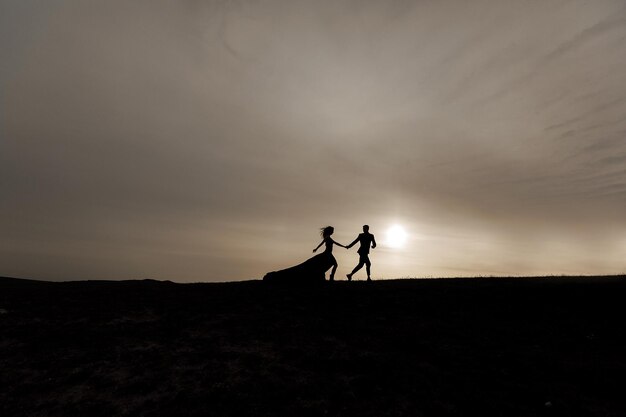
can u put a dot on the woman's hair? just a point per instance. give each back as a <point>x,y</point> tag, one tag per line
<point>326,231</point>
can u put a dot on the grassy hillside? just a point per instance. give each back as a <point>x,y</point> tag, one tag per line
<point>448,347</point>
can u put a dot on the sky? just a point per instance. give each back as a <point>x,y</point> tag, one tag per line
<point>197,140</point>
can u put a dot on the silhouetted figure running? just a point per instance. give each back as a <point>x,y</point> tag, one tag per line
<point>326,232</point>
<point>312,270</point>
<point>366,239</point>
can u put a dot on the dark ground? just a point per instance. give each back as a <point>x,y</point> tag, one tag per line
<point>449,347</point>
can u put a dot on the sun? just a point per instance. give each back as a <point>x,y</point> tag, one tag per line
<point>396,236</point>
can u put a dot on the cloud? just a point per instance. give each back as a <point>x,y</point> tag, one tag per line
<point>207,137</point>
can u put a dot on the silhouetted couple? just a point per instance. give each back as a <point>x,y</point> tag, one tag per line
<point>314,269</point>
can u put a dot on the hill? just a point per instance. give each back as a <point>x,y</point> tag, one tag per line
<point>446,347</point>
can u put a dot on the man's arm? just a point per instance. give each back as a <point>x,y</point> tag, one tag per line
<point>353,243</point>
<point>373,242</point>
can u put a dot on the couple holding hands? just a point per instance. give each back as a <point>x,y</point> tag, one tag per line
<point>313,270</point>
<point>366,239</point>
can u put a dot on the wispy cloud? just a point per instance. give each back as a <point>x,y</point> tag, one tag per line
<point>208,137</point>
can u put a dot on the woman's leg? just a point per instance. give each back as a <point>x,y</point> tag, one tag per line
<point>332,272</point>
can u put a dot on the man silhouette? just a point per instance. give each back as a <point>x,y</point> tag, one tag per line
<point>366,239</point>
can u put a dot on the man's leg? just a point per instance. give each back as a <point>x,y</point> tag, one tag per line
<point>368,265</point>
<point>356,268</point>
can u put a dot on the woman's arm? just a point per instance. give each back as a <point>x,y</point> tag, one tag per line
<point>338,244</point>
<point>318,246</point>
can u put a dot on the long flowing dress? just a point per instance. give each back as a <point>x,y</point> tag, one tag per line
<point>310,271</point>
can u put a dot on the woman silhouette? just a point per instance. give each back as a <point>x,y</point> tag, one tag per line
<point>313,269</point>
<point>326,233</point>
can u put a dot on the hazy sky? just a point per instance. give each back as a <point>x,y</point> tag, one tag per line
<point>201,140</point>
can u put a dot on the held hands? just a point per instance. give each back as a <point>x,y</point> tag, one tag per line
<point>314,250</point>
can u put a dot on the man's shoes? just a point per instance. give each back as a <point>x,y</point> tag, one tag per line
<point>349,277</point>
<point>369,279</point>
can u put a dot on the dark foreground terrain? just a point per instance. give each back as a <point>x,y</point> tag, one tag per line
<point>453,347</point>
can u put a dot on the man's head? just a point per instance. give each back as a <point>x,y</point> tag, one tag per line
<point>366,228</point>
